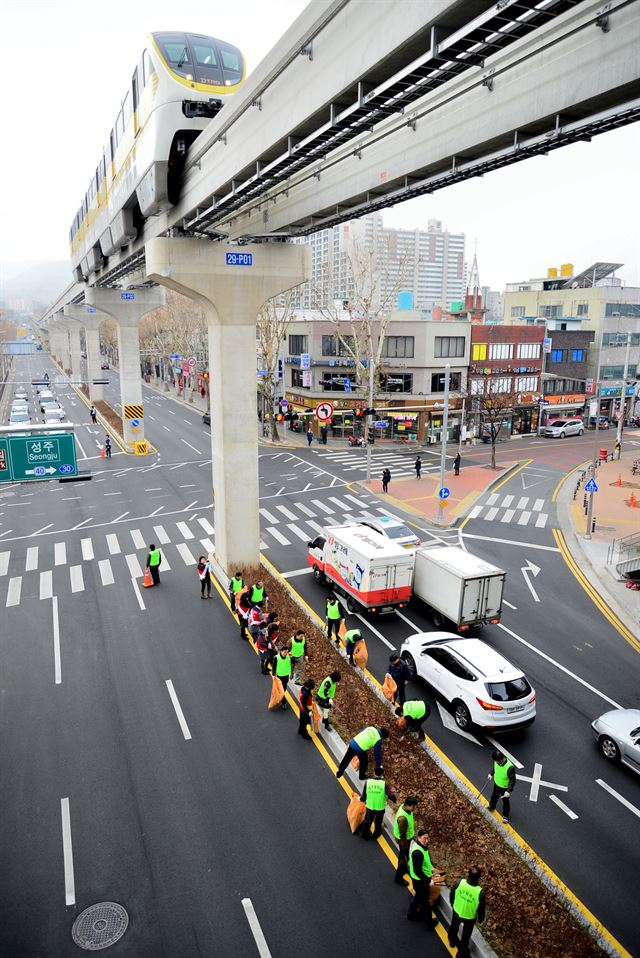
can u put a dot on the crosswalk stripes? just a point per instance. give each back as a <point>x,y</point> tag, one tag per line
<point>187,557</point>
<point>277,535</point>
<point>185,530</point>
<point>134,566</point>
<point>304,509</point>
<point>106,572</point>
<point>87,549</point>
<point>506,510</point>
<point>138,539</point>
<point>268,516</point>
<point>287,513</point>
<point>206,525</point>
<point>46,584</point>
<point>14,590</point>
<point>297,531</point>
<point>4,562</point>
<point>32,559</point>
<point>76,578</point>
<point>60,553</point>
<point>322,507</point>
<point>208,545</point>
<point>113,544</point>
<point>161,535</point>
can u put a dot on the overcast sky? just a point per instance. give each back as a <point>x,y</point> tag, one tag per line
<point>65,64</point>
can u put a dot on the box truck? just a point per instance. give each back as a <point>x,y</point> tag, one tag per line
<point>370,570</point>
<point>459,587</point>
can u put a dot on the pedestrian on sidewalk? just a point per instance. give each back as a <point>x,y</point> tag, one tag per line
<point>323,435</point>
<point>374,795</point>
<point>404,829</point>
<point>204,574</point>
<point>618,448</point>
<point>107,447</point>
<point>298,653</point>
<point>418,467</point>
<point>153,563</point>
<point>334,616</point>
<point>468,905</point>
<point>235,586</point>
<point>325,696</point>
<point>257,594</point>
<point>93,412</point>
<point>400,672</point>
<point>309,436</point>
<point>282,671</point>
<point>351,640</point>
<point>369,738</point>
<point>386,479</point>
<point>456,465</point>
<point>421,870</point>
<point>504,781</point>
<point>415,713</point>
<point>306,708</point>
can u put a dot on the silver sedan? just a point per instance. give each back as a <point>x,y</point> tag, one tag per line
<point>618,736</point>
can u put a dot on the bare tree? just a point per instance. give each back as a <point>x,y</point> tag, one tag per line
<point>272,325</point>
<point>177,327</point>
<point>493,398</point>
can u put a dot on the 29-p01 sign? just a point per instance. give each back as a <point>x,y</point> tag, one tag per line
<point>238,259</point>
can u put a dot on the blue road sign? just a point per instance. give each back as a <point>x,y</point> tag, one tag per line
<point>591,486</point>
<point>39,471</point>
<point>347,385</point>
<point>261,372</point>
<point>175,356</point>
<point>239,259</point>
<point>444,493</point>
<point>65,469</point>
<point>382,424</point>
<point>284,404</point>
<point>127,295</point>
<point>543,402</point>
<point>135,422</point>
<point>91,309</point>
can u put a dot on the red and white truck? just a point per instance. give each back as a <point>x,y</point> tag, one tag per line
<point>370,570</point>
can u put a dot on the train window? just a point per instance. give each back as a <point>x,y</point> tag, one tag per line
<point>134,89</point>
<point>204,53</point>
<point>112,146</point>
<point>231,63</point>
<point>176,52</point>
<point>147,68</point>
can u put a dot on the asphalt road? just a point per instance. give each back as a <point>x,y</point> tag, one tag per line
<point>143,805</point>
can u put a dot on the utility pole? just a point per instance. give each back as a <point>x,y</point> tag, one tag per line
<point>445,428</point>
<point>370,418</point>
<point>623,398</point>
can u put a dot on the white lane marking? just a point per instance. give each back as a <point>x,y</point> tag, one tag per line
<point>178,710</point>
<point>297,531</point>
<point>524,518</point>
<point>138,539</point>
<point>67,852</point>
<point>7,532</point>
<point>565,808</point>
<point>167,428</point>
<point>134,565</point>
<point>535,782</point>
<point>562,668</point>
<point>188,485</point>
<point>161,535</point>
<point>190,506</point>
<point>155,489</point>
<point>315,526</point>
<point>286,512</point>
<point>106,572</point>
<point>450,723</point>
<point>113,493</point>
<point>76,577</point>
<point>502,749</point>
<point>87,549</point>
<point>307,512</point>
<point>411,624</point>
<point>114,545</point>
<point>538,504</point>
<point>508,516</point>
<point>38,531</point>
<point>511,542</point>
<point>514,607</point>
<point>358,502</point>
<point>4,562</point>
<point>541,521</point>
<point>187,558</point>
<point>323,508</point>
<point>46,585</point>
<point>475,512</point>
<point>118,518</point>
<point>492,498</point>
<point>343,506</point>
<point>269,516</point>
<point>618,797</point>
<point>83,523</point>
<point>374,630</point>
<point>136,589</point>
<point>208,544</point>
<point>60,553</point>
<point>191,447</point>
<point>57,661</point>
<point>32,559</point>
<point>296,572</point>
<point>491,514</point>
<point>156,511</point>
<point>185,530</point>
<point>206,525</point>
<point>256,930</point>
<point>507,501</point>
<point>278,536</point>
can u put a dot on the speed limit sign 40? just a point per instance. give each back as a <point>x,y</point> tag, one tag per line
<point>324,411</point>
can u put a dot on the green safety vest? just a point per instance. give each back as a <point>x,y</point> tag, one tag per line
<point>353,636</point>
<point>376,795</point>
<point>297,647</point>
<point>154,557</point>
<point>327,689</point>
<point>283,666</point>
<point>257,595</point>
<point>426,862</point>
<point>414,710</point>
<point>237,585</point>
<point>403,813</point>
<point>333,610</point>
<point>467,899</point>
<point>501,774</point>
<point>367,738</point>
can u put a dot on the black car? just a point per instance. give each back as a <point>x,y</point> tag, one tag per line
<point>206,418</point>
<point>104,365</point>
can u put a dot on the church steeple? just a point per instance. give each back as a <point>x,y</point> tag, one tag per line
<point>473,299</point>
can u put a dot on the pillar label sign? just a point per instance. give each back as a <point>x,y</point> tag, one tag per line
<point>91,309</point>
<point>238,259</point>
<point>127,295</point>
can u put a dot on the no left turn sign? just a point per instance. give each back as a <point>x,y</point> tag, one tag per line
<point>324,411</point>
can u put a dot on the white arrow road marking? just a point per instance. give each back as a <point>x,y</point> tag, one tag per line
<point>500,747</point>
<point>449,722</point>
<point>534,569</point>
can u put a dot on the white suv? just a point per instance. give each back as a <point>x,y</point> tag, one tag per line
<point>393,529</point>
<point>560,428</point>
<point>482,686</point>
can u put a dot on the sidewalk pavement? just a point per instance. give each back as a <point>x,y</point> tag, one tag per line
<point>615,517</point>
<point>420,496</point>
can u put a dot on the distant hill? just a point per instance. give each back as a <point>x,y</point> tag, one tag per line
<point>36,282</point>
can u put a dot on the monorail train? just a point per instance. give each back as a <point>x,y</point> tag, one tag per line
<point>177,86</point>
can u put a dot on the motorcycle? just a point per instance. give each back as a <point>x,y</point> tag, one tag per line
<point>353,441</point>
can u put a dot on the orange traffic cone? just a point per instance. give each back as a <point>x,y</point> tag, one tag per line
<point>148,581</point>
<point>633,502</point>
<point>619,481</point>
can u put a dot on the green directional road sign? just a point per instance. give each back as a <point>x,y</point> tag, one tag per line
<point>45,456</point>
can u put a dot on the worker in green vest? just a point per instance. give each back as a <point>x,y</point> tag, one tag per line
<point>325,696</point>
<point>421,870</point>
<point>282,671</point>
<point>374,795</point>
<point>298,652</point>
<point>334,618</point>
<point>369,738</point>
<point>351,639</point>
<point>467,906</point>
<point>257,594</point>
<point>404,829</point>
<point>504,780</point>
<point>415,712</point>
<point>236,585</point>
<point>153,563</point>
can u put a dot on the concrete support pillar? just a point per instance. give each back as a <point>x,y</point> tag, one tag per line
<point>63,354</point>
<point>128,308</point>
<point>90,318</point>
<point>231,297</point>
<point>75,351</point>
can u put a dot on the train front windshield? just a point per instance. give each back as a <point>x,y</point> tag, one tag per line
<point>201,59</point>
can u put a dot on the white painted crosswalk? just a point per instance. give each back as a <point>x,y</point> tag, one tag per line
<point>355,460</point>
<point>526,511</point>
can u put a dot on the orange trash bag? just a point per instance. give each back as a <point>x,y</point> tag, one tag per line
<point>360,654</point>
<point>316,718</point>
<point>355,812</point>
<point>389,688</point>
<point>401,723</point>
<point>277,692</point>
<point>342,631</point>
<point>355,763</point>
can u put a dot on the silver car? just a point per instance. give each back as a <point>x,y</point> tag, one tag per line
<point>618,736</point>
<point>560,428</point>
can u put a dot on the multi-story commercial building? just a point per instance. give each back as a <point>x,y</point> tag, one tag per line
<point>508,360</point>
<point>566,370</point>
<point>428,264</point>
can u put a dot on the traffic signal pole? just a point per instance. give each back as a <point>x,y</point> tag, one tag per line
<point>445,429</point>
<point>370,419</point>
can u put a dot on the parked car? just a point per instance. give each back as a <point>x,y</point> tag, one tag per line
<point>104,365</point>
<point>603,424</point>
<point>54,413</point>
<point>483,687</point>
<point>392,528</point>
<point>618,736</point>
<point>560,428</point>
<point>19,405</point>
<point>21,416</point>
<point>206,418</point>
<point>20,393</point>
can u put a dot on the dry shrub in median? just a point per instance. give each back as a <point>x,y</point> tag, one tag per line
<point>107,412</point>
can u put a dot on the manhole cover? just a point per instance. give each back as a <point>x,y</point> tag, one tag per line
<point>100,926</point>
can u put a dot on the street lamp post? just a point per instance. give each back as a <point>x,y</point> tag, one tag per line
<point>587,533</point>
<point>370,419</point>
<point>445,428</point>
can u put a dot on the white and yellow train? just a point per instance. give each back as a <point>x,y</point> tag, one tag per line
<point>178,84</point>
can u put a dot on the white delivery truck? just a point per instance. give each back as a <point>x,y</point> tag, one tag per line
<point>459,587</point>
<point>372,571</point>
